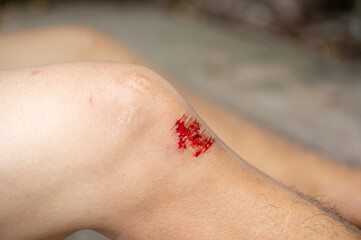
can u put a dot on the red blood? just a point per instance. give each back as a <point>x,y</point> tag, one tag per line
<point>190,135</point>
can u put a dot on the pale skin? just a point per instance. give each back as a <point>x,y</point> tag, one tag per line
<point>103,158</point>
<point>336,185</point>
<point>72,160</point>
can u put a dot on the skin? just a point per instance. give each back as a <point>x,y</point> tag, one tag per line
<point>335,185</point>
<point>91,145</point>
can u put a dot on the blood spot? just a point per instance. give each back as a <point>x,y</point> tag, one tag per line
<point>91,101</point>
<point>190,135</point>
<point>36,72</point>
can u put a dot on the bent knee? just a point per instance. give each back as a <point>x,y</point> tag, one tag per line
<point>137,89</point>
<point>79,122</point>
<point>118,92</point>
<point>122,100</point>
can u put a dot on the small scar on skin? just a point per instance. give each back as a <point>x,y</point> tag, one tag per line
<point>35,72</point>
<point>91,101</point>
<point>138,81</point>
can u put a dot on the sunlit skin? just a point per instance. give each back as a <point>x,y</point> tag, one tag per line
<point>336,185</point>
<point>53,96</point>
<point>113,164</point>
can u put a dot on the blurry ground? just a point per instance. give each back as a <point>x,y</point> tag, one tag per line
<point>269,80</point>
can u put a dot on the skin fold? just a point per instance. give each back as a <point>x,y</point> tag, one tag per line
<point>309,173</point>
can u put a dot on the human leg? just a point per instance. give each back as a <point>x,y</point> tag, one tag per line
<point>334,184</point>
<point>96,145</point>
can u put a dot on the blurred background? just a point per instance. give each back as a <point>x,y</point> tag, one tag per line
<point>291,66</point>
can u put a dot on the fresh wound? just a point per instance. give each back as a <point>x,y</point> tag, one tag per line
<point>190,135</point>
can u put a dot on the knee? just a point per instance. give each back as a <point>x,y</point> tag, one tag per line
<point>133,105</point>
<point>136,111</point>
<point>104,126</point>
<point>134,92</point>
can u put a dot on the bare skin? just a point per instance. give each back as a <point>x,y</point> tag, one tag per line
<point>92,145</point>
<point>335,185</point>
